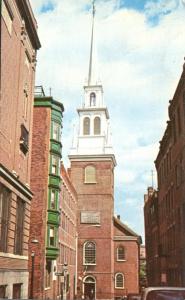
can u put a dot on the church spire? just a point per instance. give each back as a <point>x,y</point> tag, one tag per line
<point>92,46</point>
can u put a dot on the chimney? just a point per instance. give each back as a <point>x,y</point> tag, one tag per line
<point>118,217</point>
<point>150,191</point>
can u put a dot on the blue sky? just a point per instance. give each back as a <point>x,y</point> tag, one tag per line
<point>141,46</point>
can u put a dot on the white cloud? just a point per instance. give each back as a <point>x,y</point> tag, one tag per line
<point>139,65</point>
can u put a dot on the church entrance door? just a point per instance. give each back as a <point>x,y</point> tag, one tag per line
<point>89,288</point>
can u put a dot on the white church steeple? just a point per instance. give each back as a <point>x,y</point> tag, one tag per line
<point>93,136</point>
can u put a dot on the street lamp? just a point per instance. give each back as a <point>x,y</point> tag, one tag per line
<point>32,269</point>
<point>65,270</point>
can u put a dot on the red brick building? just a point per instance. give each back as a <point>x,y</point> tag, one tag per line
<point>19,43</point>
<point>95,226</point>
<point>152,237</point>
<point>142,273</point>
<point>170,165</point>
<point>67,259</point>
<point>45,184</point>
<point>100,274</point>
<point>126,259</point>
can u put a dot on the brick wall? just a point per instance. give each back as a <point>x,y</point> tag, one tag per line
<point>18,52</point>
<point>67,231</point>
<point>96,197</point>
<point>130,266</point>
<point>17,80</point>
<point>39,184</point>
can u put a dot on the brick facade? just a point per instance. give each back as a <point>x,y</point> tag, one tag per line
<point>170,165</point>
<point>19,42</point>
<point>45,184</point>
<point>67,237</point>
<point>97,197</point>
<point>152,237</point>
<point>39,183</point>
<point>96,224</point>
<point>125,238</point>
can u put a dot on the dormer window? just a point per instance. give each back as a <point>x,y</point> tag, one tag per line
<point>92,99</point>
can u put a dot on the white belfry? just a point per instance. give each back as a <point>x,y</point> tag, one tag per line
<point>93,137</point>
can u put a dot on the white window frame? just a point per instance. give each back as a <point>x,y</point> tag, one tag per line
<point>56,166</point>
<point>84,253</point>
<point>118,287</point>
<point>117,253</point>
<point>56,131</point>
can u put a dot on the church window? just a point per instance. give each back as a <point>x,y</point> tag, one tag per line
<point>89,253</point>
<point>86,126</point>
<point>97,125</point>
<point>120,253</point>
<point>92,99</point>
<point>90,174</point>
<point>119,281</point>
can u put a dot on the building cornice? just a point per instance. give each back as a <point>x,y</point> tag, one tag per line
<point>94,109</point>
<point>125,238</point>
<point>48,102</point>
<point>30,22</point>
<point>8,176</point>
<point>95,157</point>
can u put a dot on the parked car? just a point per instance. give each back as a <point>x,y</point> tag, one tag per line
<point>133,297</point>
<point>163,293</point>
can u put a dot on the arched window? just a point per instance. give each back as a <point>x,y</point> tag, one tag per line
<point>97,125</point>
<point>119,281</point>
<point>86,126</point>
<point>89,253</point>
<point>89,279</point>
<point>90,174</point>
<point>121,253</point>
<point>92,99</point>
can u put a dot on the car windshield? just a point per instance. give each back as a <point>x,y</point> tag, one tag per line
<point>166,295</point>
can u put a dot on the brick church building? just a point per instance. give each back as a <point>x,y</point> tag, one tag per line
<point>108,251</point>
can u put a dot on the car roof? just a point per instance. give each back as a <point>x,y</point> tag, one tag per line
<point>162,288</point>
